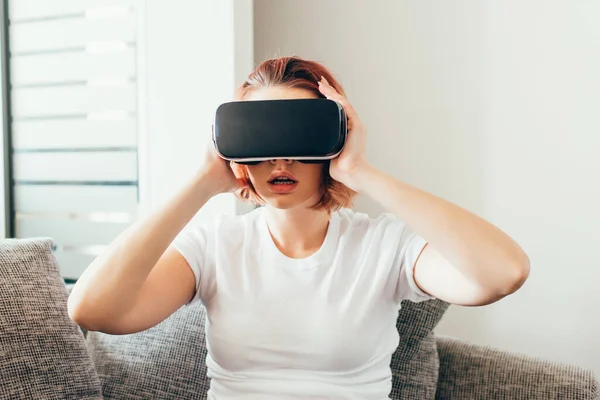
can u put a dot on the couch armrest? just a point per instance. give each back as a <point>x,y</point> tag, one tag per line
<point>469,371</point>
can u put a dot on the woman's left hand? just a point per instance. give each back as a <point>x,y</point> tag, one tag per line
<point>351,160</point>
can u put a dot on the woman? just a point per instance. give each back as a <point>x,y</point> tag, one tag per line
<point>302,295</point>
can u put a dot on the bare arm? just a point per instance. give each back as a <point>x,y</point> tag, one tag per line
<point>139,281</point>
<point>467,261</point>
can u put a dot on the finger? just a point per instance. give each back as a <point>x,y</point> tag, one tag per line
<point>329,91</point>
<point>349,110</point>
<point>332,94</point>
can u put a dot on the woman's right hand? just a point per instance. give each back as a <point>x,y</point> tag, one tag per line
<point>220,172</point>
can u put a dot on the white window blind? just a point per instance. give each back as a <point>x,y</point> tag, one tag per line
<point>74,105</point>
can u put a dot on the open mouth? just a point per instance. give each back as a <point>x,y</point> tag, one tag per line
<point>282,180</point>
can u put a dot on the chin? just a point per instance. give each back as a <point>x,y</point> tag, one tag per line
<point>284,202</point>
<point>291,201</point>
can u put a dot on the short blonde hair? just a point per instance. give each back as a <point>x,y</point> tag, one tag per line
<point>295,72</point>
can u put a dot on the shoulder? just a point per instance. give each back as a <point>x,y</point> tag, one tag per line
<point>235,225</point>
<point>385,229</point>
<point>353,221</point>
<point>220,225</point>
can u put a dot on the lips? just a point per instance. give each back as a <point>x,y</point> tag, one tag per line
<point>282,178</point>
<point>282,182</point>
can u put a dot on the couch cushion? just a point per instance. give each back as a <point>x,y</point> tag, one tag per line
<point>163,362</point>
<point>415,364</point>
<point>168,360</point>
<point>42,352</point>
<point>471,371</point>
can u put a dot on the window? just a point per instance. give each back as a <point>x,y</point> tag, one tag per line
<point>74,108</point>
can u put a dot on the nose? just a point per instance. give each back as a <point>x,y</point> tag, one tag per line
<point>281,160</point>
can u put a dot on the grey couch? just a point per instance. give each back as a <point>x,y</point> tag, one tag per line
<point>44,355</point>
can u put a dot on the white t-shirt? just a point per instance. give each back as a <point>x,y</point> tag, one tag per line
<point>322,327</point>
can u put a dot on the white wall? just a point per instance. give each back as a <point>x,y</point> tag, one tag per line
<point>194,56</point>
<point>491,105</point>
<point>3,205</point>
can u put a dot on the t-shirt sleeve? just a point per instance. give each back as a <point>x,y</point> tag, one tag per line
<point>409,248</point>
<point>193,243</point>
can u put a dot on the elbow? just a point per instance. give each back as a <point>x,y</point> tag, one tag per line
<point>517,274</point>
<point>521,269</point>
<point>78,314</point>
<point>508,279</point>
<point>95,318</point>
<point>82,315</point>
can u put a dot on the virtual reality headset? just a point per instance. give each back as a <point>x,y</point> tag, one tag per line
<point>307,130</point>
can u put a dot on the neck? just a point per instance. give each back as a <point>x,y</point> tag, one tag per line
<point>298,233</point>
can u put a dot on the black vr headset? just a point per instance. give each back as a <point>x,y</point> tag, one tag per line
<point>306,130</point>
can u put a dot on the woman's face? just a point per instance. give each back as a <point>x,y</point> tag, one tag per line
<point>285,184</point>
